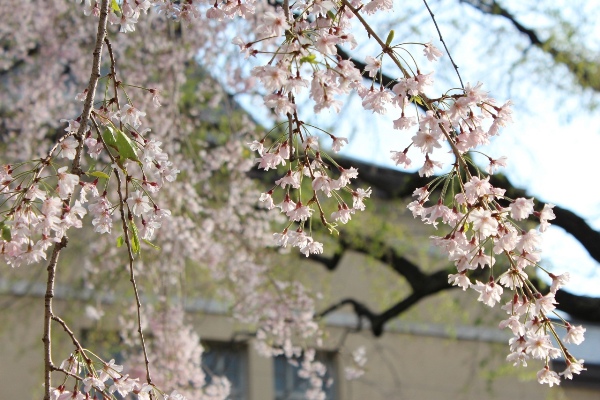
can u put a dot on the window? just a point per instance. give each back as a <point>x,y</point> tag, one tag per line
<point>219,358</point>
<point>289,386</point>
<point>228,360</point>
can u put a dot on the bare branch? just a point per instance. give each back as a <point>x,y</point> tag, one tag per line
<point>444,43</point>
<point>581,307</point>
<point>75,168</point>
<point>586,71</point>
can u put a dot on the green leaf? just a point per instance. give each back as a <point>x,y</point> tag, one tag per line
<point>125,146</point>
<point>311,58</point>
<point>5,231</point>
<point>149,243</point>
<point>135,238</point>
<point>390,37</point>
<point>115,6</point>
<point>109,138</point>
<point>120,241</point>
<point>467,226</point>
<point>119,141</point>
<point>418,100</point>
<point>99,174</point>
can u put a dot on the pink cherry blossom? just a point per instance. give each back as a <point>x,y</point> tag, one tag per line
<point>484,222</point>
<point>489,294</point>
<point>548,376</point>
<point>574,334</point>
<point>431,52</point>
<point>66,182</point>
<point>546,215</point>
<point>521,208</point>
<point>139,203</point>
<point>573,368</point>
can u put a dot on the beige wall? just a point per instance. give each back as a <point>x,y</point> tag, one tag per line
<point>430,365</point>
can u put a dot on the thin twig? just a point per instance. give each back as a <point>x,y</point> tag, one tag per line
<point>444,43</point>
<point>122,204</point>
<point>113,74</point>
<point>129,252</point>
<point>88,361</point>
<point>286,9</point>
<point>75,168</point>
<point>386,49</point>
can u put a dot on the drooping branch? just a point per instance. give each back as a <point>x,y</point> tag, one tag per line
<point>395,184</point>
<point>75,168</point>
<point>48,314</point>
<point>585,70</point>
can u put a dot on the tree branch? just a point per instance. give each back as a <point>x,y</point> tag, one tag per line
<point>586,72</point>
<point>388,255</point>
<point>75,168</point>
<point>389,183</point>
<point>424,285</point>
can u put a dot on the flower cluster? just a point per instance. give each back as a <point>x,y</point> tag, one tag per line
<point>483,222</point>
<point>313,371</point>
<point>103,379</point>
<point>127,168</point>
<point>359,360</point>
<point>36,211</point>
<point>483,225</point>
<point>303,62</point>
<point>37,208</point>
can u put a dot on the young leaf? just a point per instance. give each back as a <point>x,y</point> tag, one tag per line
<point>120,241</point>
<point>5,231</point>
<point>125,146</point>
<point>149,243</point>
<point>99,174</point>
<point>135,238</point>
<point>119,141</point>
<point>311,59</point>
<point>390,37</point>
<point>417,100</point>
<point>109,138</point>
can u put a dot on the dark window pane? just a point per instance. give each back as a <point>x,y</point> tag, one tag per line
<point>290,386</point>
<point>228,360</point>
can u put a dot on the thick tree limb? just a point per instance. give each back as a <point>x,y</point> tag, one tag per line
<point>391,184</point>
<point>424,285</point>
<point>585,70</point>
<point>581,307</point>
<point>390,256</point>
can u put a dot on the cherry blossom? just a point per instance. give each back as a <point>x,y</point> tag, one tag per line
<point>573,368</point>
<point>574,334</point>
<point>431,52</point>
<point>489,293</point>
<point>484,222</point>
<point>127,175</point>
<point>139,203</point>
<point>548,376</point>
<point>66,182</point>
